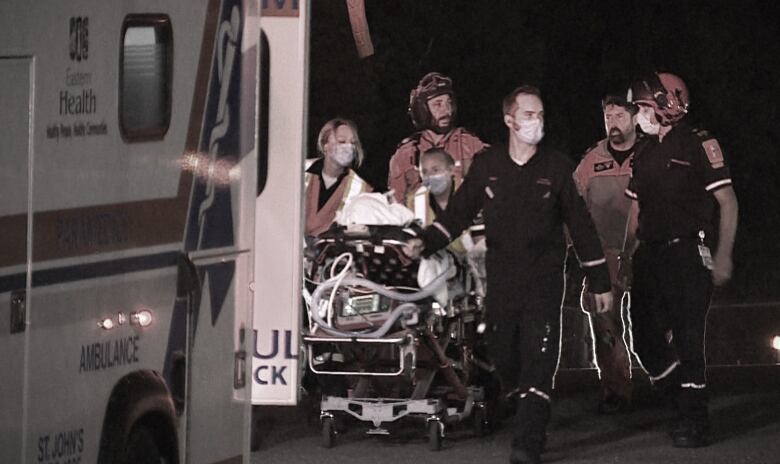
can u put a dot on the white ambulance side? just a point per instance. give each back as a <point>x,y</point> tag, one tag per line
<point>125,246</point>
<point>279,232</point>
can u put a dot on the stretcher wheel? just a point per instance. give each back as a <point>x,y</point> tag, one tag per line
<point>480,421</point>
<point>434,435</point>
<point>328,432</point>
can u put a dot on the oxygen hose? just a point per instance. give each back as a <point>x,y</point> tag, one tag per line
<point>344,278</point>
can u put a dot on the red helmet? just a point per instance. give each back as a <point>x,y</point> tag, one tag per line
<point>431,85</point>
<point>666,93</point>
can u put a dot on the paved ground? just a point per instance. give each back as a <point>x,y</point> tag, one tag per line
<point>745,415</point>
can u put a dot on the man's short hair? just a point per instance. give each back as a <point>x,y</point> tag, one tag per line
<point>509,103</point>
<point>619,100</point>
<point>438,153</point>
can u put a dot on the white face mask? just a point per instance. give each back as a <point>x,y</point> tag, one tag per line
<point>530,131</point>
<point>344,154</point>
<point>648,127</point>
<point>438,183</point>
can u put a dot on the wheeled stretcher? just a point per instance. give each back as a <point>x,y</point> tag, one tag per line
<point>396,349</point>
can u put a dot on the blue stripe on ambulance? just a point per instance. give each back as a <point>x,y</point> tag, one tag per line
<point>210,219</point>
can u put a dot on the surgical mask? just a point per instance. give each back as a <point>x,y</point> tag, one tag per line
<point>530,131</point>
<point>344,154</point>
<point>648,127</point>
<point>438,183</point>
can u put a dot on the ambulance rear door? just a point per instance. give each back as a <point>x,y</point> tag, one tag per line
<point>16,75</point>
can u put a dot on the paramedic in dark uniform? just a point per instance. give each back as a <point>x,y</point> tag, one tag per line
<point>527,194</point>
<point>432,108</point>
<point>682,184</point>
<point>602,177</point>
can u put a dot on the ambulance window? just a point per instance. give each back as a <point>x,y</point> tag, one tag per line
<point>262,130</point>
<point>145,77</point>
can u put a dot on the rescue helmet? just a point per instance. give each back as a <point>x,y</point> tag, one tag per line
<point>431,85</point>
<point>666,93</point>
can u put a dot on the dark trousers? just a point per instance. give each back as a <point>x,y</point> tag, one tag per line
<point>525,344</point>
<point>609,344</point>
<point>670,298</point>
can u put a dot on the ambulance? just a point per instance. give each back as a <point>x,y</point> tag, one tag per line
<point>150,183</point>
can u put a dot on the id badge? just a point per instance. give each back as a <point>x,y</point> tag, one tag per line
<point>706,256</point>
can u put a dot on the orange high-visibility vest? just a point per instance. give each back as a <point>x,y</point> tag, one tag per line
<point>318,221</point>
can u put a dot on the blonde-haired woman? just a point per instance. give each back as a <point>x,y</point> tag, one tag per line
<point>331,179</point>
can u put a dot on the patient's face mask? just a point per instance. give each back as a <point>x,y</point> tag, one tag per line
<point>344,154</point>
<point>438,183</point>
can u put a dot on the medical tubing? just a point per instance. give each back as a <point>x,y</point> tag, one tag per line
<point>407,298</point>
<point>424,292</point>
<point>337,278</point>
<point>378,333</point>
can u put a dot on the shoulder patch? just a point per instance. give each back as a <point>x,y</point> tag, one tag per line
<point>714,153</point>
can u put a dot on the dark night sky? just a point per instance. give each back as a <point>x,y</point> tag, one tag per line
<point>726,51</point>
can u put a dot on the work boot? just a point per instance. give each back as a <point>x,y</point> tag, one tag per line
<point>694,428</point>
<point>530,430</point>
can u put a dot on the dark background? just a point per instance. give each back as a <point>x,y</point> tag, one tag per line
<point>575,51</point>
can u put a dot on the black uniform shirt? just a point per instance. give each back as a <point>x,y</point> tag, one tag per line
<point>673,181</point>
<point>524,209</point>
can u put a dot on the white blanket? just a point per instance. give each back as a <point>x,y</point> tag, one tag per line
<point>373,209</point>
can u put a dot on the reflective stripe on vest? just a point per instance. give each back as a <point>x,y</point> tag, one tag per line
<point>421,206</point>
<point>355,187</point>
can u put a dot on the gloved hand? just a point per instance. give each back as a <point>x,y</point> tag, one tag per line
<point>603,301</point>
<point>413,248</point>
